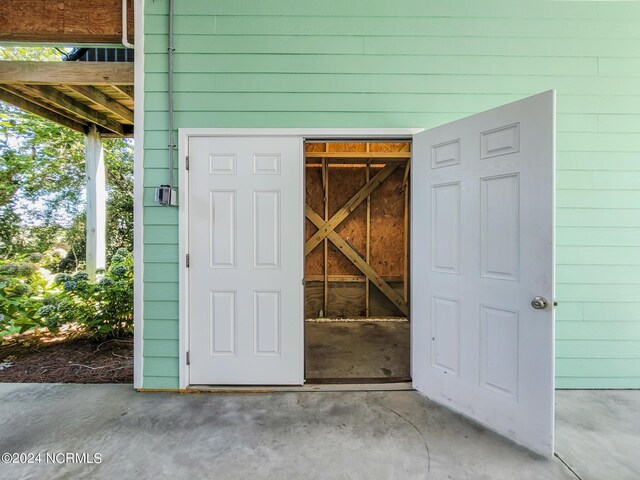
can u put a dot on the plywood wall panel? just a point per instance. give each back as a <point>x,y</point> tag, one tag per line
<point>343,184</point>
<point>314,198</point>
<point>387,226</point>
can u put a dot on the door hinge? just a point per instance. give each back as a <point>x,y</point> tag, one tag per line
<point>188,358</point>
<point>187,260</point>
<point>187,163</point>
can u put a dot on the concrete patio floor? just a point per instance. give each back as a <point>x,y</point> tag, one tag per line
<point>328,435</point>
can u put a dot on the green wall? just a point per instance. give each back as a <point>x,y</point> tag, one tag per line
<point>420,63</point>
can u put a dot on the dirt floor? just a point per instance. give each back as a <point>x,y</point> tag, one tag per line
<point>357,351</point>
<point>65,358</point>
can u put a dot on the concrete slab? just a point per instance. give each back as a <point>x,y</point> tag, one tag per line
<point>357,350</point>
<point>317,435</point>
<point>598,432</point>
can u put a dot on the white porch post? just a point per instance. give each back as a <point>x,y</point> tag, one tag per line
<point>96,203</point>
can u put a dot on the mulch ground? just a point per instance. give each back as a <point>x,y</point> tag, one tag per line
<point>67,357</point>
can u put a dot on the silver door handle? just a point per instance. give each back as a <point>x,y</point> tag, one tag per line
<point>539,303</point>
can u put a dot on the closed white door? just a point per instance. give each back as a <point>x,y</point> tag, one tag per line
<point>246,269</point>
<point>482,251</point>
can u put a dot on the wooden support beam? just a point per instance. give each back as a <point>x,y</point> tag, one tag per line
<point>38,109</point>
<point>128,133</point>
<point>96,203</point>
<point>75,107</point>
<point>127,90</point>
<point>68,73</point>
<point>349,207</point>
<point>367,155</point>
<point>367,285</point>
<point>96,96</point>
<point>66,22</point>
<point>363,266</point>
<point>350,278</point>
<point>325,201</point>
<point>405,179</point>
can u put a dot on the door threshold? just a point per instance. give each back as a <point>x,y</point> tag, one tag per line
<point>308,387</point>
<point>357,380</point>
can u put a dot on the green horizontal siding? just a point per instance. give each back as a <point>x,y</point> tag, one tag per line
<point>405,9</point>
<point>167,348</point>
<point>161,330</point>
<point>158,292</point>
<point>160,383</point>
<point>416,63</point>
<point>393,83</point>
<point>397,26</point>
<point>373,64</point>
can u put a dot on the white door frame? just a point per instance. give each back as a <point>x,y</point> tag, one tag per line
<point>184,134</point>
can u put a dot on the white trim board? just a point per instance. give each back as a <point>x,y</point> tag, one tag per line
<point>138,199</point>
<point>183,194</point>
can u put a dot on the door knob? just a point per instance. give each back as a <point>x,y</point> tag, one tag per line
<point>539,303</point>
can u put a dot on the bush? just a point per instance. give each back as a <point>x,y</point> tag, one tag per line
<point>103,309</point>
<point>22,288</point>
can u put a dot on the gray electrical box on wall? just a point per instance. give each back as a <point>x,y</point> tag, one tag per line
<point>166,196</point>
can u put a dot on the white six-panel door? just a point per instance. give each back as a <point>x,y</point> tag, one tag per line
<point>245,247</point>
<point>482,249</point>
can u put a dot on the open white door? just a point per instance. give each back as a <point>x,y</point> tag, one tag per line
<point>245,246</point>
<point>482,250</point>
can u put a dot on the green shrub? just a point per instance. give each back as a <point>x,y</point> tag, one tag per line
<point>22,288</point>
<point>103,309</point>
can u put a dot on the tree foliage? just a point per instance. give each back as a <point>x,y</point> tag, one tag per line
<point>42,176</point>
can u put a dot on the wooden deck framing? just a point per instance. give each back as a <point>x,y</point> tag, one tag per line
<point>74,94</point>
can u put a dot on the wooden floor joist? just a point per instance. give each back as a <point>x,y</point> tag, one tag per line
<point>75,107</point>
<point>38,109</point>
<point>127,90</point>
<point>96,96</point>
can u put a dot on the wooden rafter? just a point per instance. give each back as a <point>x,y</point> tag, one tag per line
<point>68,73</point>
<point>359,262</point>
<point>350,206</point>
<point>37,109</point>
<point>96,96</point>
<point>79,109</point>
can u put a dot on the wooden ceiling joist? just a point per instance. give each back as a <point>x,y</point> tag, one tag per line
<point>96,96</point>
<point>19,91</point>
<point>37,109</point>
<point>125,90</point>
<point>75,107</point>
<point>68,73</point>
